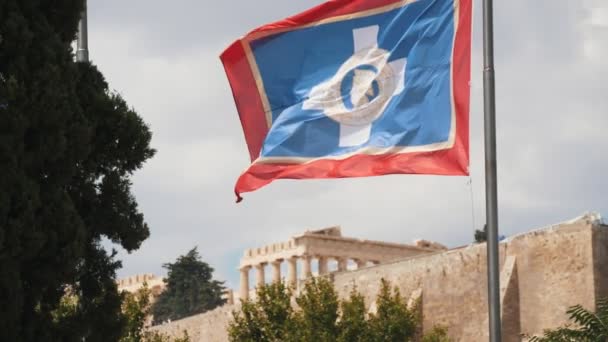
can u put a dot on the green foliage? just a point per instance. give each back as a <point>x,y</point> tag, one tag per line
<point>353,325</point>
<point>135,308</point>
<point>318,315</point>
<point>439,333</point>
<point>275,302</point>
<point>68,147</point>
<point>393,321</point>
<point>270,318</point>
<point>588,326</point>
<point>155,336</point>
<point>64,315</point>
<point>481,235</point>
<point>321,316</point>
<point>190,289</point>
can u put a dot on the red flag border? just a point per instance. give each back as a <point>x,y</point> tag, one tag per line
<point>253,108</point>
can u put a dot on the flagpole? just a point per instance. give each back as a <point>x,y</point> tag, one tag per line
<point>82,44</point>
<point>82,55</point>
<point>489,98</point>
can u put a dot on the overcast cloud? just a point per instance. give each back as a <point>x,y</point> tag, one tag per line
<point>552,107</point>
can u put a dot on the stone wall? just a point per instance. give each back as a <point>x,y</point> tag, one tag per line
<point>136,282</point>
<point>542,273</point>
<point>554,269</point>
<point>207,327</point>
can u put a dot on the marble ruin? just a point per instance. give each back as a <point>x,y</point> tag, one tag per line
<point>537,273</point>
<point>321,246</point>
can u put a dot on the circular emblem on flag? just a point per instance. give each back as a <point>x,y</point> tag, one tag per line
<point>357,94</point>
<point>363,86</point>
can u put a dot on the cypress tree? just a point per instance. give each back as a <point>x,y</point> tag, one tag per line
<point>68,148</point>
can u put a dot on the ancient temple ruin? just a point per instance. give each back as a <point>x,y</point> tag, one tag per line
<point>322,246</point>
<point>537,273</point>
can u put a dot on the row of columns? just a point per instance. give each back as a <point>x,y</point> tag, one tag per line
<point>292,278</point>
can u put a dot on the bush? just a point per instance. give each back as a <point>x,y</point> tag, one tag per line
<point>321,316</point>
<point>439,333</point>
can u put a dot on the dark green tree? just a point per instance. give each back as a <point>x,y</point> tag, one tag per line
<point>68,148</point>
<point>190,289</point>
<point>481,235</point>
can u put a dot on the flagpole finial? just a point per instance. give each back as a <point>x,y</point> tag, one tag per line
<point>82,44</point>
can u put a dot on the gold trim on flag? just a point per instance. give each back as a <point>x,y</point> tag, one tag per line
<point>368,150</point>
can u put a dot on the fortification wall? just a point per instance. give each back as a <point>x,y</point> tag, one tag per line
<point>542,273</point>
<point>553,269</point>
<point>210,326</point>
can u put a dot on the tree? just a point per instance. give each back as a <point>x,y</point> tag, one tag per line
<point>588,326</point>
<point>393,320</point>
<point>190,289</point>
<point>318,315</point>
<point>68,148</point>
<point>270,318</point>
<point>353,325</point>
<point>136,309</point>
<point>322,316</point>
<point>481,235</point>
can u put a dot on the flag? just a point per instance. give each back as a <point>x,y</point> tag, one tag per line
<point>355,88</point>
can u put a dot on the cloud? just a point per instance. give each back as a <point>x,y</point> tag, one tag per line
<point>551,119</point>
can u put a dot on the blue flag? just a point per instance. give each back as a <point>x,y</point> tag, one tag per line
<point>355,88</point>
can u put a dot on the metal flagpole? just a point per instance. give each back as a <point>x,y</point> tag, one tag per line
<point>491,179</point>
<point>82,45</point>
<point>82,55</point>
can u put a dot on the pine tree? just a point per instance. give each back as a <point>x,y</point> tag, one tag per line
<point>190,289</point>
<point>68,147</point>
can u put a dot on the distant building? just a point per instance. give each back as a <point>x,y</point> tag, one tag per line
<point>133,283</point>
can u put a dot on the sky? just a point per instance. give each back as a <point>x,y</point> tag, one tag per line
<point>552,115</point>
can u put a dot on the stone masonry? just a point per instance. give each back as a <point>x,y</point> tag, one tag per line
<point>543,272</point>
<point>136,282</point>
<point>322,246</point>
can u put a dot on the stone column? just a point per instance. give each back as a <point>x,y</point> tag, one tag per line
<point>245,283</point>
<point>306,271</point>
<point>292,276</point>
<point>360,263</point>
<point>342,263</point>
<point>323,265</point>
<point>276,271</point>
<point>259,279</point>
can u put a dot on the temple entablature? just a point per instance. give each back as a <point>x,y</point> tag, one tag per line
<point>323,246</point>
